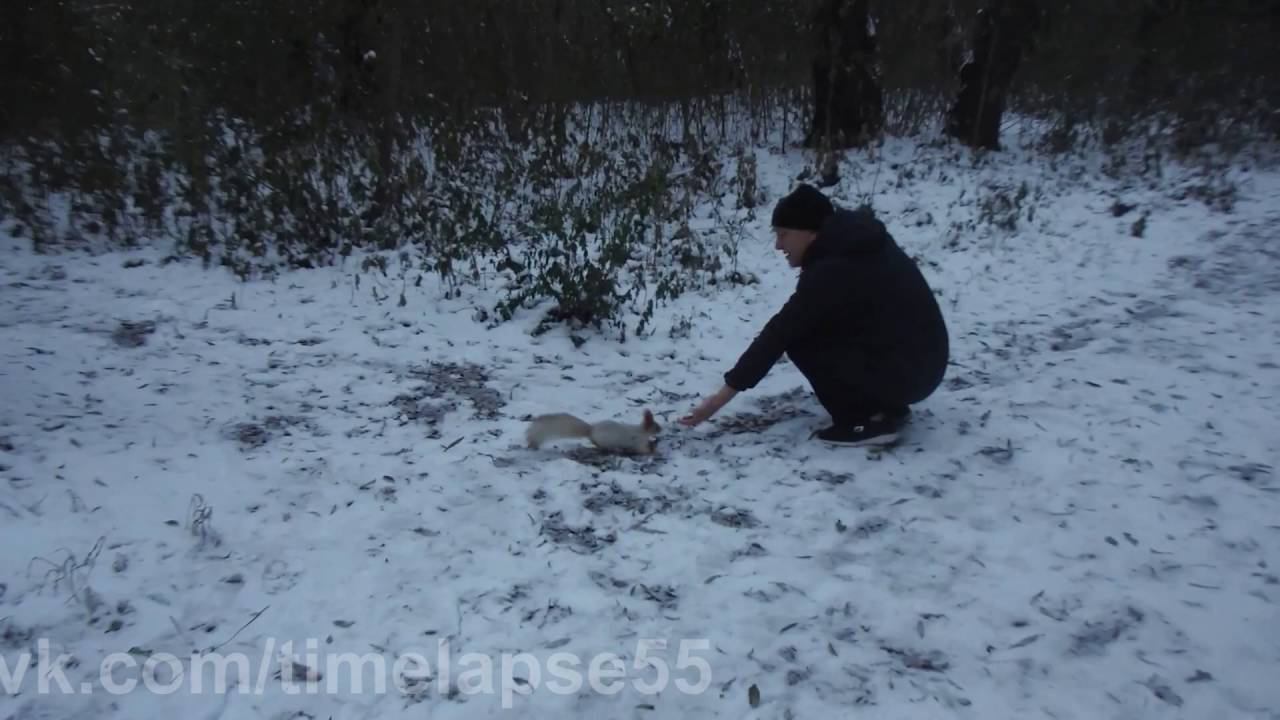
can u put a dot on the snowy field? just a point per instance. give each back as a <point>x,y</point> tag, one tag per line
<point>1082,524</point>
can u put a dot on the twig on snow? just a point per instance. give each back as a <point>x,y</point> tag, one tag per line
<point>237,632</point>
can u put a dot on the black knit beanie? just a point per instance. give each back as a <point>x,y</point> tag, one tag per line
<point>805,208</point>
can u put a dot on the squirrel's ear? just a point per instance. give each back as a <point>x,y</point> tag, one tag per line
<point>648,419</point>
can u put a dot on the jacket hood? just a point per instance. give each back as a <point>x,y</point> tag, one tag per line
<point>848,233</point>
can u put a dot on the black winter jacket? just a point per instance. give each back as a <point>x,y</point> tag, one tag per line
<point>862,303</point>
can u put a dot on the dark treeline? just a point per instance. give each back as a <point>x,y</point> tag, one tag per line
<point>76,65</point>
<point>239,124</point>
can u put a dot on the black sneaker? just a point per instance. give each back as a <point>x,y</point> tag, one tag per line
<point>875,431</point>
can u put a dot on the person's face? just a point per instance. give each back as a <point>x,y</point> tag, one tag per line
<point>793,243</point>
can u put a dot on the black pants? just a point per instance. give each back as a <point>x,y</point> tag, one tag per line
<point>847,386</point>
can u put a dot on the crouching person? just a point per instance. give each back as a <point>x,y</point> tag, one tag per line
<point>862,326</point>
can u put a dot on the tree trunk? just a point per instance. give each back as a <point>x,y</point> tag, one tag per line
<point>358,89</point>
<point>389,187</point>
<point>1002,36</point>
<point>1147,83</point>
<point>848,102</point>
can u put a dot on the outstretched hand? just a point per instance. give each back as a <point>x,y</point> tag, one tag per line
<point>708,407</point>
<point>699,414</point>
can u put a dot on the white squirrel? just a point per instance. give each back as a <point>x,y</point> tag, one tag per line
<point>607,435</point>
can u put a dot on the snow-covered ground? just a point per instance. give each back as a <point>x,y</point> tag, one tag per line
<point>1083,522</point>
